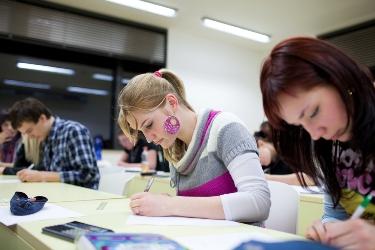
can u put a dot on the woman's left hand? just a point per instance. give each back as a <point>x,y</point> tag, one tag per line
<point>149,204</point>
<point>351,234</point>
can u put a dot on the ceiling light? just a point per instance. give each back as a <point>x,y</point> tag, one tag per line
<point>45,68</point>
<point>102,77</point>
<point>236,30</point>
<point>87,91</point>
<point>27,84</point>
<point>147,6</point>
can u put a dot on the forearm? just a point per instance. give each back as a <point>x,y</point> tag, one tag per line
<point>199,207</point>
<point>290,179</point>
<point>252,201</point>
<point>47,176</point>
<point>5,164</point>
<point>129,165</point>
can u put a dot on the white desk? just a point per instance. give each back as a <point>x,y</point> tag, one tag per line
<point>98,208</point>
<point>114,216</point>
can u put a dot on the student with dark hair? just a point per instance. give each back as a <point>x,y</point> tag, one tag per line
<point>132,155</point>
<point>275,168</point>
<point>67,150</point>
<point>321,105</point>
<point>9,141</point>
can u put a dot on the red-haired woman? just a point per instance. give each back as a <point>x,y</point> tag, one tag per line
<point>321,104</point>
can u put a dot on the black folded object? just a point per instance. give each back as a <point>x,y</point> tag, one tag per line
<point>20,204</point>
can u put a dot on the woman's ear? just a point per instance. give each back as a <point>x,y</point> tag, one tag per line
<point>172,101</point>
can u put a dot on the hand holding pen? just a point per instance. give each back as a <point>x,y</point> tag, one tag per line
<point>354,233</point>
<point>332,232</point>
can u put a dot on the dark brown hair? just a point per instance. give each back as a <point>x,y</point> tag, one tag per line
<point>27,110</point>
<point>304,63</point>
<point>4,116</point>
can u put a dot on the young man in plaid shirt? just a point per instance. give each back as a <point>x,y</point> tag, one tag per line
<point>67,150</point>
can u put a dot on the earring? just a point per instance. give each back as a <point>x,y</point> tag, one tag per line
<point>350,92</point>
<point>171,125</point>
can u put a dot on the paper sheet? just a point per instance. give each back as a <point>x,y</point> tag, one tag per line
<point>10,181</point>
<point>177,221</point>
<point>49,211</point>
<point>221,241</point>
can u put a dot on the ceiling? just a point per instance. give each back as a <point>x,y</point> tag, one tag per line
<point>278,18</point>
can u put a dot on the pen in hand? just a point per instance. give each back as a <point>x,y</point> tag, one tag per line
<point>149,184</point>
<point>31,166</point>
<point>361,207</point>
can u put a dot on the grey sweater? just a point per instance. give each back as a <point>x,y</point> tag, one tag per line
<point>222,160</point>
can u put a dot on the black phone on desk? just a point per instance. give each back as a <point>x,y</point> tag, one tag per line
<point>148,173</point>
<point>71,230</point>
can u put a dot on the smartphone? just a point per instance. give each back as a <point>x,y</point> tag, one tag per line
<point>71,230</point>
<point>148,173</point>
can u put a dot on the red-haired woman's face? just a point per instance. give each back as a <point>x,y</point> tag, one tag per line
<point>320,111</point>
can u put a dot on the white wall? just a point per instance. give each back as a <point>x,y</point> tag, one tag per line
<point>217,74</point>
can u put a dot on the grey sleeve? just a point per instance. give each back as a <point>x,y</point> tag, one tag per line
<point>252,201</point>
<point>233,140</point>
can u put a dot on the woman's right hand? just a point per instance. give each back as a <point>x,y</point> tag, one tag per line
<point>148,204</point>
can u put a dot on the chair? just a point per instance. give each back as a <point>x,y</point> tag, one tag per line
<point>284,207</point>
<point>114,180</point>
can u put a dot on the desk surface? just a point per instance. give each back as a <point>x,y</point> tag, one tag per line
<point>98,208</point>
<point>54,191</point>
<point>114,216</point>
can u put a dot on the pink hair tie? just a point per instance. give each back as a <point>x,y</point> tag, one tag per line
<point>157,73</point>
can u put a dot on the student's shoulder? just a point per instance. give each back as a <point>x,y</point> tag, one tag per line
<point>69,126</point>
<point>224,119</point>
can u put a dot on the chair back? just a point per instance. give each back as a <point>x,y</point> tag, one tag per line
<point>284,207</point>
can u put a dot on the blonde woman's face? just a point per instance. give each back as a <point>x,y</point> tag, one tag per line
<point>320,111</point>
<point>151,124</point>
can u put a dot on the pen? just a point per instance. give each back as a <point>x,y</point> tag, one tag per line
<point>31,166</point>
<point>361,207</point>
<point>149,184</point>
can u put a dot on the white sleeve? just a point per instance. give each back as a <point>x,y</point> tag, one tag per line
<point>252,201</point>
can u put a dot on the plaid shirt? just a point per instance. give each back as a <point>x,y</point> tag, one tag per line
<point>68,149</point>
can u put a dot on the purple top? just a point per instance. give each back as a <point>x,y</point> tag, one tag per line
<point>222,184</point>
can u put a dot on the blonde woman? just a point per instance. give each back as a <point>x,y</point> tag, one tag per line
<point>28,153</point>
<point>215,164</point>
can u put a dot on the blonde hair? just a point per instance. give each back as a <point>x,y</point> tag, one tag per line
<point>146,92</point>
<point>32,149</point>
